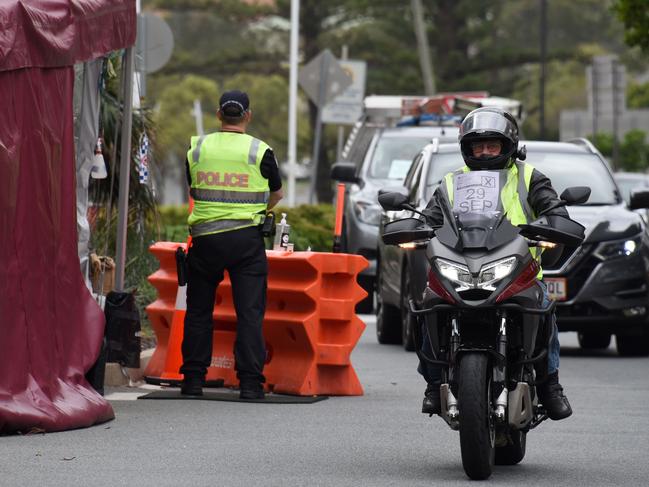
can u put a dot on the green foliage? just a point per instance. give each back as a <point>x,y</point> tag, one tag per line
<point>565,88</point>
<point>173,223</point>
<point>637,95</point>
<point>268,102</point>
<point>635,16</point>
<point>174,118</point>
<point>633,150</point>
<point>604,143</point>
<point>311,225</point>
<point>142,218</point>
<point>269,105</point>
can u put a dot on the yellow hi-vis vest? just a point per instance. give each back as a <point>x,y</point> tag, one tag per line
<point>513,197</point>
<point>228,189</point>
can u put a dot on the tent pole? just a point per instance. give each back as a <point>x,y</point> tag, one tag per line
<point>124,170</point>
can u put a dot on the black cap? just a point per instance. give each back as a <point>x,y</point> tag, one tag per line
<point>234,103</point>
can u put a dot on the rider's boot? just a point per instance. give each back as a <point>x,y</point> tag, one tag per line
<point>432,403</point>
<point>551,396</point>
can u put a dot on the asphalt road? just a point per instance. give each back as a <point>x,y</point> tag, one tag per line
<point>379,439</point>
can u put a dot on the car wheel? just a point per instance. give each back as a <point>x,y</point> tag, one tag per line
<point>593,340</point>
<point>633,345</point>
<point>408,320</point>
<point>388,318</point>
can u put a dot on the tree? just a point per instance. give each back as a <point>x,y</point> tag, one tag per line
<point>634,151</point>
<point>637,95</point>
<point>635,16</point>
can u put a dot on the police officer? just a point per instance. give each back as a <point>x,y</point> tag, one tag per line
<point>489,142</point>
<point>233,179</point>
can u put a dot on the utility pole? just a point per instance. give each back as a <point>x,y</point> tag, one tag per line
<point>292,101</point>
<point>422,47</point>
<point>124,168</point>
<point>341,130</point>
<point>543,30</point>
<point>198,117</point>
<point>616,110</point>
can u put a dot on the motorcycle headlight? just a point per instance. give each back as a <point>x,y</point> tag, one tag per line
<point>494,272</point>
<point>458,274</point>
<point>367,212</point>
<point>618,248</point>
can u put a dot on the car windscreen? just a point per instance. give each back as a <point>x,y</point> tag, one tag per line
<point>393,155</point>
<point>563,169</point>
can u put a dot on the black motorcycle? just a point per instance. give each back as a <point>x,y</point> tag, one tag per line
<point>483,320</point>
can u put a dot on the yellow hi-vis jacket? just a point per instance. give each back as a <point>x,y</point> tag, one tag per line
<point>227,186</point>
<point>513,197</point>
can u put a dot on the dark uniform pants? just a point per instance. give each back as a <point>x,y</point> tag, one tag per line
<point>242,253</point>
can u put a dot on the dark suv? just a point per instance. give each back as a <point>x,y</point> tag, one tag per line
<point>601,287</point>
<point>377,157</point>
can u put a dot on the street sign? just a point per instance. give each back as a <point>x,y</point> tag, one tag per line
<point>155,43</point>
<point>606,86</point>
<point>347,108</point>
<point>323,78</point>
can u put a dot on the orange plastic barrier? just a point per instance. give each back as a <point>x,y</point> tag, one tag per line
<point>310,325</point>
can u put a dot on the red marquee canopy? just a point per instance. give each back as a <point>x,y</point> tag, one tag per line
<point>50,326</point>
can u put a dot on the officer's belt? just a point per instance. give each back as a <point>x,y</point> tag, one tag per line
<point>220,225</point>
<point>224,196</point>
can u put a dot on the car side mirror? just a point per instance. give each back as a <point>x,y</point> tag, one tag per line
<point>639,199</point>
<point>576,195</point>
<point>391,200</point>
<point>344,172</point>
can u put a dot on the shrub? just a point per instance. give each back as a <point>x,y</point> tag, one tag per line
<point>311,225</point>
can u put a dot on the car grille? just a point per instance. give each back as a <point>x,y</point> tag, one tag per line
<point>577,266</point>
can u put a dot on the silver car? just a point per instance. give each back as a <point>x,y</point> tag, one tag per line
<point>382,160</point>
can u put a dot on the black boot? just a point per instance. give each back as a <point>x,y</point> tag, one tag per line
<point>251,390</point>
<point>432,403</point>
<point>192,386</point>
<point>551,396</point>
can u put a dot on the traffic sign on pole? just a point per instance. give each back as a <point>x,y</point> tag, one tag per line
<point>347,108</point>
<point>323,78</point>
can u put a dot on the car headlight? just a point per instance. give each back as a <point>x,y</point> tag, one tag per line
<point>618,248</point>
<point>458,274</point>
<point>494,272</point>
<point>367,212</point>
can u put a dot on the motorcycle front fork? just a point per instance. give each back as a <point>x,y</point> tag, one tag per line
<point>499,379</point>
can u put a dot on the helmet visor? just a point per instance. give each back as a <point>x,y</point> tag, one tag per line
<point>484,122</point>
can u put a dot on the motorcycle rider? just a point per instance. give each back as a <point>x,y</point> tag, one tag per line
<point>489,141</point>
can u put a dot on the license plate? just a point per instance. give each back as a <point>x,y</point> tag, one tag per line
<point>557,288</point>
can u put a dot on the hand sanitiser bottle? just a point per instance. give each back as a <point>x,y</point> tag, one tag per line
<point>281,234</point>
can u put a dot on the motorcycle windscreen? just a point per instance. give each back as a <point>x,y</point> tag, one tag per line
<point>487,230</point>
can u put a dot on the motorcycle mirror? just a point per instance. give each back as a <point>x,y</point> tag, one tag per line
<point>392,200</point>
<point>554,228</point>
<point>405,230</point>
<point>576,195</point>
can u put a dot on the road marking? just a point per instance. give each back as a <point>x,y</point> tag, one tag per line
<point>132,396</point>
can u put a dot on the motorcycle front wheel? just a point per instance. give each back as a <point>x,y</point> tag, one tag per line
<point>477,427</point>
